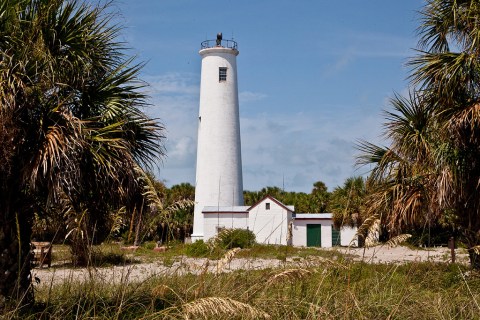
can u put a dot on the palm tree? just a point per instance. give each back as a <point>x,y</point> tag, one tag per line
<point>319,197</point>
<point>451,82</point>
<point>71,128</point>
<point>252,197</point>
<point>401,188</point>
<point>347,202</point>
<point>178,213</point>
<point>431,171</point>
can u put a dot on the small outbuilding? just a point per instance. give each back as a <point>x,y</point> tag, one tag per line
<point>272,222</point>
<point>318,230</point>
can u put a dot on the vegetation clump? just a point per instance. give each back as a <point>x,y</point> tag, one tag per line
<point>197,249</point>
<point>234,238</point>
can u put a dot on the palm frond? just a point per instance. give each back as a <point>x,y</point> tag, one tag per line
<point>370,153</point>
<point>444,71</point>
<point>369,224</point>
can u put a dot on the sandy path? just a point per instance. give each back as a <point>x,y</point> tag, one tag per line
<point>384,254</point>
<point>143,271</point>
<point>183,265</point>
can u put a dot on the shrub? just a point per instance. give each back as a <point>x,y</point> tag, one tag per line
<point>149,245</point>
<point>235,238</point>
<point>197,249</point>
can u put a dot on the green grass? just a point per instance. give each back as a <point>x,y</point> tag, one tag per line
<point>330,288</point>
<point>282,252</point>
<point>112,254</point>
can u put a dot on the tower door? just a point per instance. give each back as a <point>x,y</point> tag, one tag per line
<point>314,235</point>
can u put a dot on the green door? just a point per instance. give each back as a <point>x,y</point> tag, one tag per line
<point>336,237</point>
<point>314,235</point>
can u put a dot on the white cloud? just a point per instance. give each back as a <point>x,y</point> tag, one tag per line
<point>358,45</point>
<point>182,152</point>
<point>296,150</point>
<point>173,83</point>
<point>175,103</point>
<point>293,150</point>
<point>341,63</point>
<point>248,96</point>
<point>373,45</point>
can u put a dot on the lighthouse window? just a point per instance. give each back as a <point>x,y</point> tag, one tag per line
<point>222,74</point>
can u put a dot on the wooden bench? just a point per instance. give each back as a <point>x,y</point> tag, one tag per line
<point>41,253</point>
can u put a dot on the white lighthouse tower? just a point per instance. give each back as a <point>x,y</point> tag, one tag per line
<point>219,161</point>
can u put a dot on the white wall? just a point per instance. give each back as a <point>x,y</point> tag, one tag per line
<point>347,234</point>
<point>269,226</point>
<point>300,232</point>
<point>227,220</point>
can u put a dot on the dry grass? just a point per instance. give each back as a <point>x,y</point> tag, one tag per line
<point>221,308</point>
<point>227,258</point>
<point>319,289</point>
<point>289,275</point>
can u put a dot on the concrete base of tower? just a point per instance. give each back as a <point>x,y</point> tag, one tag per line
<point>196,237</point>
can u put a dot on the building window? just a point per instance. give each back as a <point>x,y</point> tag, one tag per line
<point>222,74</point>
<point>267,206</point>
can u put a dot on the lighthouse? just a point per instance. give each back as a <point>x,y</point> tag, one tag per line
<point>219,161</point>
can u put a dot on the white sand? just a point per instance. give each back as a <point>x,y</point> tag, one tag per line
<point>399,254</point>
<point>143,271</point>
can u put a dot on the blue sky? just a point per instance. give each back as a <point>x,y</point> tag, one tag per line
<point>314,77</point>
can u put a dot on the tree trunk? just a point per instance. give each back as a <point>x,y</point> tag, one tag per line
<point>80,246</point>
<point>15,257</point>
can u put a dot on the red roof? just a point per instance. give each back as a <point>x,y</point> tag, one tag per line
<point>274,200</point>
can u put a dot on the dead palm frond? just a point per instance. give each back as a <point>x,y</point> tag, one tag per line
<point>369,224</point>
<point>464,124</point>
<point>372,234</point>
<point>476,249</point>
<point>395,241</point>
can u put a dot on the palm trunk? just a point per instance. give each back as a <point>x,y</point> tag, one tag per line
<point>80,250</point>
<point>15,276</point>
<point>138,229</point>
